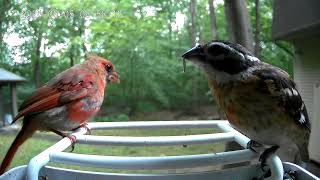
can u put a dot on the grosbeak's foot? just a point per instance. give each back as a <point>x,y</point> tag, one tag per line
<point>266,174</point>
<point>290,175</point>
<point>253,145</point>
<point>265,155</point>
<point>43,178</point>
<point>73,140</point>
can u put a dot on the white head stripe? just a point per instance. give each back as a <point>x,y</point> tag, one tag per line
<point>288,91</point>
<point>302,119</point>
<point>295,92</point>
<point>252,58</point>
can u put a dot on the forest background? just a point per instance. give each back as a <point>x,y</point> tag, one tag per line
<point>145,40</point>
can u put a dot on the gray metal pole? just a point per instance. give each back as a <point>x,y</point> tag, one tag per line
<point>1,106</point>
<point>14,99</point>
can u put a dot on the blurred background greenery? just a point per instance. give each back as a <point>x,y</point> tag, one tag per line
<point>144,39</point>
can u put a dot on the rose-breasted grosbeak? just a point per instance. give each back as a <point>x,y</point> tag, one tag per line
<point>259,100</point>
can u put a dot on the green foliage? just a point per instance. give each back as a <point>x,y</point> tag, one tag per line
<point>280,53</point>
<point>140,37</point>
<point>112,118</point>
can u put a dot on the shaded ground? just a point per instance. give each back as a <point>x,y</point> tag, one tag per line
<point>202,113</point>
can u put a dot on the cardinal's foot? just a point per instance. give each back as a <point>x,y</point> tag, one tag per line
<point>73,140</point>
<point>84,125</point>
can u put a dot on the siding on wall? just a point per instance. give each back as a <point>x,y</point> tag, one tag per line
<point>306,75</point>
<point>289,25</point>
<point>315,146</point>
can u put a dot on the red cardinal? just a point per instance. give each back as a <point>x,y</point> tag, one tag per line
<point>65,103</point>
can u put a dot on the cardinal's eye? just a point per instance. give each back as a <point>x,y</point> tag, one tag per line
<point>108,68</point>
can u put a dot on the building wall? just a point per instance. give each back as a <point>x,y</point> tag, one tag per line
<point>316,124</point>
<point>307,76</point>
<point>295,19</point>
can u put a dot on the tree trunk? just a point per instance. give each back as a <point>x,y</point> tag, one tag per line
<point>132,93</point>
<point>215,35</point>
<point>81,32</point>
<point>193,41</point>
<point>170,28</point>
<point>84,49</point>
<point>239,26</point>
<point>213,20</point>
<point>4,7</point>
<point>37,65</point>
<point>202,39</point>
<point>71,55</point>
<point>1,107</point>
<point>193,5</point>
<point>2,13</point>
<point>239,30</point>
<point>257,46</point>
<point>73,50</point>
<point>14,106</point>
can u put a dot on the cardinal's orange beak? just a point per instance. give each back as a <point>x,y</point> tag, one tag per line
<point>113,77</point>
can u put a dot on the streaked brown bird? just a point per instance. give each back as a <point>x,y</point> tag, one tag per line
<point>259,100</point>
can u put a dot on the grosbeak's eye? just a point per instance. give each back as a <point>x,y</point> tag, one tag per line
<point>216,50</point>
<point>108,68</point>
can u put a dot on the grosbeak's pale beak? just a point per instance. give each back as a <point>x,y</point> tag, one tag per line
<point>259,100</point>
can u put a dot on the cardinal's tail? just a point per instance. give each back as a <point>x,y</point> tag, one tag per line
<point>26,131</point>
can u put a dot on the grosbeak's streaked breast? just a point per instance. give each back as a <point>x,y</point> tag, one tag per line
<point>259,100</point>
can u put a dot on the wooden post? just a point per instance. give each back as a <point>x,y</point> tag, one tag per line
<point>1,106</point>
<point>14,99</point>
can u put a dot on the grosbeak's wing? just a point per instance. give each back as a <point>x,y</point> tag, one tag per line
<point>68,86</point>
<point>278,84</point>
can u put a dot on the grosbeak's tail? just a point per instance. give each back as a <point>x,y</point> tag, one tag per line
<point>304,153</point>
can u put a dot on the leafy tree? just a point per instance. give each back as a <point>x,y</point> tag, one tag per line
<point>142,38</point>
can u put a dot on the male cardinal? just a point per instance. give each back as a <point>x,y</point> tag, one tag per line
<point>65,103</point>
<point>259,100</point>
